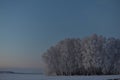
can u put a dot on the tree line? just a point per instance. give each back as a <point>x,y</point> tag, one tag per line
<point>93,55</point>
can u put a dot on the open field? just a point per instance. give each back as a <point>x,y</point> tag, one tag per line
<point>43,77</point>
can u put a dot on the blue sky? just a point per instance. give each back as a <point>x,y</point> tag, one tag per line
<point>29,27</point>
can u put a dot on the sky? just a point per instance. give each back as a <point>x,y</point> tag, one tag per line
<point>29,27</point>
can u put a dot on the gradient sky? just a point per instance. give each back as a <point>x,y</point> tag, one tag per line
<point>29,27</point>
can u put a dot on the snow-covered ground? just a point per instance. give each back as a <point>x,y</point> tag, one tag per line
<point>43,77</point>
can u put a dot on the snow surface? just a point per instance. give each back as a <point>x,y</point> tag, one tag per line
<point>43,77</point>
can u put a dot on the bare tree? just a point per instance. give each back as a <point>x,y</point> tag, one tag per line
<point>92,55</point>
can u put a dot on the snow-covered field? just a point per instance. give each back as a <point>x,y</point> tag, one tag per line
<point>43,77</point>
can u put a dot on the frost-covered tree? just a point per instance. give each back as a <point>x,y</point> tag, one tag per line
<point>93,52</point>
<point>92,55</point>
<point>112,51</point>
